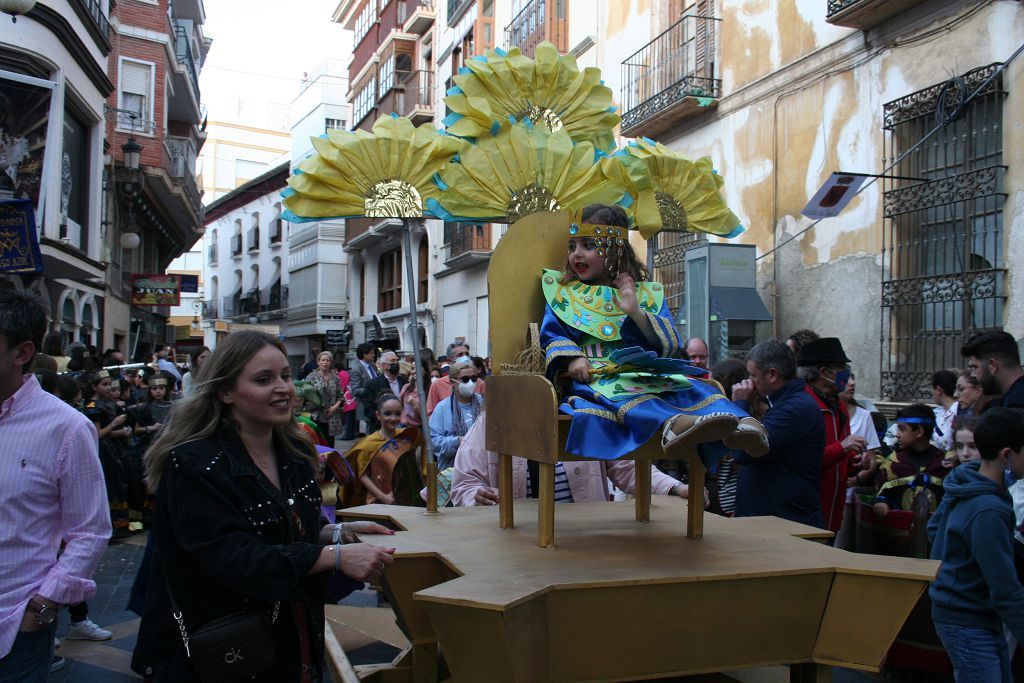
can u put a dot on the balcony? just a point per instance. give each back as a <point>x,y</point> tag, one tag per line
<point>211,309</point>
<point>254,239</point>
<point>96,23</point>
<point>538,21</point>
<point>866,14</point>
<point>182,160</point>
<point>416,97</point>
<point>456,8</point>
<point>183,105</point>
<point>466,244</point>
<point>671,78</point>
<point>276,230</point>
<point>231,305</point>
<point>421,15</point>
<point>211,255</point>
<point>274,299</point>
<point>236,246</point>
<point>361,232</point>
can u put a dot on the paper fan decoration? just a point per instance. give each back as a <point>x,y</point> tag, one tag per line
<point>523,170</point>
<point>685,193</point>
<point>384,174</point>
<point>550,91</point>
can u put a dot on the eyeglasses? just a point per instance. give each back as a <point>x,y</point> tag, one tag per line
<point>467,380</point>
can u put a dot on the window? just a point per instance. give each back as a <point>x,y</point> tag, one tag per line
<point>943,268</point>
<point>366,19</point>
<point>334,124</point>
<point>135,96</point>
<point>387,74</point>
<point>423,272</point>
<point>365,100</point>
<point>389,281</point>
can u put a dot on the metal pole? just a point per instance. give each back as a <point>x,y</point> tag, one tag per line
<point>410,276</point>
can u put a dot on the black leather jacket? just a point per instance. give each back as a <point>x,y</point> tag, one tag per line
<point>227,540</point>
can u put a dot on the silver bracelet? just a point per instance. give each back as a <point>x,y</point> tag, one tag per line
<point>338,534</point>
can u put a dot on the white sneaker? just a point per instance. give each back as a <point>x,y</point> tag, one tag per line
<point>57,663</point>
<point>87,630</point>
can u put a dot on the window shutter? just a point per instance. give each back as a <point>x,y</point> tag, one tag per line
<point>135,78</point>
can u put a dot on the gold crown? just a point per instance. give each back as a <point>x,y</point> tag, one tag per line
<point>158,382</point>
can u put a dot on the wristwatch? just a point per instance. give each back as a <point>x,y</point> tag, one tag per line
<point>45,614</point>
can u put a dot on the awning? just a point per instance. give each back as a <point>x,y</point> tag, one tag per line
<point>737,303</point>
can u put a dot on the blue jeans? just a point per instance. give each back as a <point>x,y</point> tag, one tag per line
<point>978,654</point>
<point>29,658</point>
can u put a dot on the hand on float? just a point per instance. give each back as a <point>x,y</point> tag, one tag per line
<point>881,511</point>
<point>579,370</point>
<point>486,496</point>
<point>365,527</point>
<point>364,562</point>
<point>626,285</point>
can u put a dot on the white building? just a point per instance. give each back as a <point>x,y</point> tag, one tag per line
<point>246,275</point>
<point>53,87</point>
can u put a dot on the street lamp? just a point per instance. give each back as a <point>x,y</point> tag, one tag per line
<point>129,184</point>
<point>16,7</point>
<point>197,307</point>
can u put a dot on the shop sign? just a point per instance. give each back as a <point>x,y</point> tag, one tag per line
<point>19,242</point>
<point>156,290</point>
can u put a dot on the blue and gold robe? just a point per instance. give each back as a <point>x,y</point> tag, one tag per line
<point>636,385</point>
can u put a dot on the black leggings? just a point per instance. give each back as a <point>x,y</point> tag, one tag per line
<point>79,612</point>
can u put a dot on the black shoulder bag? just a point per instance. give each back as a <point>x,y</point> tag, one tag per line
<point>232,648</point>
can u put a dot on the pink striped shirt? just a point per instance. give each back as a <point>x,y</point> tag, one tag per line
<point>51,490</point>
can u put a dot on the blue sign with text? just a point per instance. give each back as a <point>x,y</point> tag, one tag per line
<point>19,243</point>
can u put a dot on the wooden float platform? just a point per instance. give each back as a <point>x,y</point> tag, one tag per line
<point>619,600</point>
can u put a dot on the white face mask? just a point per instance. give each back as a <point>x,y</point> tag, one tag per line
<point>466,389</point>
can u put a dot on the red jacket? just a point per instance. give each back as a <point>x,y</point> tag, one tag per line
<point>835,461</point>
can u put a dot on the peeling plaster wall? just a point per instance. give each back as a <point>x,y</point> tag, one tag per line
<point>802,99</point>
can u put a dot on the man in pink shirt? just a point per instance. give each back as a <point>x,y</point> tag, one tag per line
<point>51,491</point>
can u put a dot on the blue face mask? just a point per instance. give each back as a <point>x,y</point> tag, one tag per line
<point>841,379</point>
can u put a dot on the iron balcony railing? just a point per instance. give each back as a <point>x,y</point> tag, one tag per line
<point>456,8</point>
<point>837,6</point>
<point>211,309</point>
<point>254,238</point>
<point>96,13</point>
<point>183,52</point>
<point>535,23</point>
<point>211,254</point>
<point>275,231</point>
<point>236,245</point>
<point>676,65</point>
<point>461,238</point>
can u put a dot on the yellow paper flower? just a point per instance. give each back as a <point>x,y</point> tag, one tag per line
<point>523,170</point>
<point>384,174</point>
<point>549,90</point>
<point>671,192</point>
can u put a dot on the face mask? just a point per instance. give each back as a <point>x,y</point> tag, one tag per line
<point>466,389</point>
<point>393,368</point>
<point>841,379</point>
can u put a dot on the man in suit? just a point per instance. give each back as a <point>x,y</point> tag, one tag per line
<point>389,380</point>
<point>364,371</point>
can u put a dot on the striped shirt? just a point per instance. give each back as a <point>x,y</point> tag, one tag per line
<point>51,490</point>
<point>563,494</point>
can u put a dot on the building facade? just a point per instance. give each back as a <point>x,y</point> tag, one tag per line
<point>236,153</point>
<point>391,70</point>
<point>155,130</point>
<point>246,273</point>
<point>782,94</point>
<point>53,89</point>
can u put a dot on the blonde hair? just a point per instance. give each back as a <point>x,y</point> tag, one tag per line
<point>201,414</point>
<point>324,353</point>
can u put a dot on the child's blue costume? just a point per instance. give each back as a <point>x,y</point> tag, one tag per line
<point>637,386</point>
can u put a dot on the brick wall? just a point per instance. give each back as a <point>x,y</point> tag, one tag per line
<point>153,18</point>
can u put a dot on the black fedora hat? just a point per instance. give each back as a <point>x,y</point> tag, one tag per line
<point>824,351</point>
